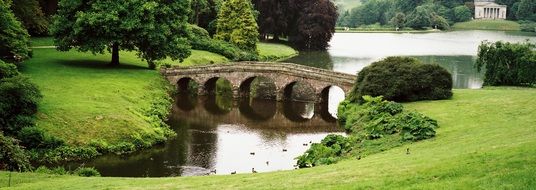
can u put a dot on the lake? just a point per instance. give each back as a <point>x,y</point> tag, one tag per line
<point>456,51</point>
<point>218,135</point>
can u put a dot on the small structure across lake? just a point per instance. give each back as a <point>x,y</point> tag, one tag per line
<point>241,75</point>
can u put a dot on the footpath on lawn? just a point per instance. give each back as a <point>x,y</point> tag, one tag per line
<point>486,141</point>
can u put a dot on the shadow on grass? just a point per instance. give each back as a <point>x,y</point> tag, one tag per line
<point>95,64</point>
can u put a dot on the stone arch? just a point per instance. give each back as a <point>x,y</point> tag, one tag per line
<point>306,92</point>
<point>209,86</point>
<point>324,103</point>
<point>183,84</point>
<point>257,110</point>
<point>245,87</point>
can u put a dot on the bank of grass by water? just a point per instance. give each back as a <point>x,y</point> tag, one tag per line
<point>486,141</point>
<point>275,51</point>
<point>502,25</point>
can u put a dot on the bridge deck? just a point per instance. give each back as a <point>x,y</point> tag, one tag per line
<point>265,67</point>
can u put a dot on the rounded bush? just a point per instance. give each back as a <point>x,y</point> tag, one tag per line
<point>7,70</point>
<point>18,103</point>
<point>402,79</point>
<point>87,172</point>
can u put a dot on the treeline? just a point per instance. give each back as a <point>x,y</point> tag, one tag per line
<point>421,14</point>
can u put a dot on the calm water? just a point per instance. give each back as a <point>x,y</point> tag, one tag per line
<point>217,133</point>
<point>456,51</point>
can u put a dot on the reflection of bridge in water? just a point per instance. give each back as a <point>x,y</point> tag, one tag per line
<point>253,113</point>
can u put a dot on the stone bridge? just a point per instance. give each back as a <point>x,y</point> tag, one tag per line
<point>283,75</point>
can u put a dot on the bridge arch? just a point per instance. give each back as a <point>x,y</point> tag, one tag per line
<point>266,87</point>
<point>187,84</point>
<point>328,105</point>
<point>209,85</point>
<point>299,90</point>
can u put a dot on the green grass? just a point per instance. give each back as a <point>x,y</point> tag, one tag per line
<point>85,100</point>
<point>486,141</point>
<point>275,52</point>
<point>504,25</point>
<point>42,41</point>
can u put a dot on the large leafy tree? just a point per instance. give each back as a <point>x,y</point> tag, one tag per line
<point>32,17</point>
<point>236,24</point>
<point>156,29</point>
<point>14,39</point>
<point>315,25</point>
<point>526,10</point>
<point>273,17</point>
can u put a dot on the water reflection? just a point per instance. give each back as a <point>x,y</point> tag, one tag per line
<point>216,135</point>
<point>456,51</point>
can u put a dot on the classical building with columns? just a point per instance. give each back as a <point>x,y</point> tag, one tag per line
<point>488,9</point>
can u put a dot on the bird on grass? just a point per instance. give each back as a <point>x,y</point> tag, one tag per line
<point>233,172</point>
<point>253,170</point>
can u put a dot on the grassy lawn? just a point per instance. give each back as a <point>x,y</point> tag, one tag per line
<point>86,101</point>
<point>504,25</point>
<point>486,141</point>
<point>275,52</point>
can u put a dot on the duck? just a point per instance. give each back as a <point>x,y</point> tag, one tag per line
<point>232,173</point>
<point>284,150</point>
<point>252,153</point>
<point>253,170</point>
<point>267,162</point>
<point>213,171</point>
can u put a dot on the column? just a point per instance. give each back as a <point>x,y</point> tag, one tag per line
<point>485,12</point>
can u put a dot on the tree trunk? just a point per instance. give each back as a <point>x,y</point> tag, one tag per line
<point>115,55</point>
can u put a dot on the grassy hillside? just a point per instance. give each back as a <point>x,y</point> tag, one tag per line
<point>275,52</point>
<point>486,141</point>
<point>504,25</point>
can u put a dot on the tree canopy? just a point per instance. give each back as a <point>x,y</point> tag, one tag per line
<point>14,39</point>
<point>31,15</point>
<point>156,29</point>
<point>236,24</point>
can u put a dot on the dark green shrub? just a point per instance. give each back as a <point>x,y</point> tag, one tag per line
<point>402,79</point>
<point>7,70</point>
<point>33,137</point>
<point>18,103</point>
<point>14,39</point>
<point>12,156</point>
<point>512,64</point>
<point>87,172</point>
<point>528,26</point>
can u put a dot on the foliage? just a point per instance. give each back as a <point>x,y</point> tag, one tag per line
<point>14,39</point>
<point>32,17</point>
<point>439,22</point>
<point>399,20</point>
<point>12,156</point>
<point>7,70</point>
<point>528,26</point>
<point>18,103</point>
<point>87,172</point>
<point>462,13</point>
<point>374,126</point>
<point>155,29</point>
<point>315,25</point>
<point>486,24</point>
<point>420,18</point>
<point>526,10</point>
<point>309,25</point>
<point>236,24</point>
<point>328,151</point>
<point>402,79</point>
<point>199,39</point>
<point>33,137</point>
<point>505,63</point>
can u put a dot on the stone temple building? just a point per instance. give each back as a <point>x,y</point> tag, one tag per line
<point>488,9</point>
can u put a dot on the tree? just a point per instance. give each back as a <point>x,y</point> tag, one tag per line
<point>315,25</point>
<point>32,17</point>
<point>420,18</point>
<point>198,7</point>
<point>273,17</point>
<point>439,22</point>
<point>236,24</point>
<point>399,20</point>
<point>14,39</point>
<point>156,29</point>
<point>526,10</point>
<point>462,13</point>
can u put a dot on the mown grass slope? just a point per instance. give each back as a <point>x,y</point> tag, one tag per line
<point>487,140</point>
<point>503,25</point>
